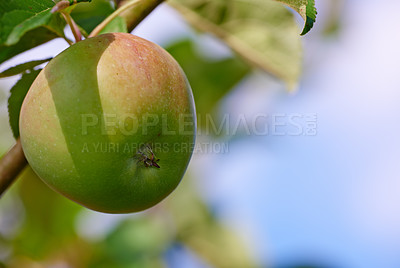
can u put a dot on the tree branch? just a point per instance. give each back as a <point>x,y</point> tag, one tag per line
<point>12,163</point>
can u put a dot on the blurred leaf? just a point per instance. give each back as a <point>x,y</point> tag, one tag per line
<point>22,67</point>
<point>89,15</point>
<point>210,80</point>
<point>49,224</point>
<point>199,230</point>
<point>18,93</point>
<point>137,237</point>
<point>138,242</point>
<point>19,17</point>
<point>30,40</point>
<point>263,32</point>
<point>333,20</point>
<point>117,25</point>
<point>307,10</point>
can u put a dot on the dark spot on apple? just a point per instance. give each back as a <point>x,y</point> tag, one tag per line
<point>146,156</point>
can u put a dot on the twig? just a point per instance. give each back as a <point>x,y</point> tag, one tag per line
<point>12,163</point>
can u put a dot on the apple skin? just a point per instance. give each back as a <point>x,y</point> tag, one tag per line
<point>100,114</point>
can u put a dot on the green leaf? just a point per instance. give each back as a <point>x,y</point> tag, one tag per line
<point>22,67</point>
<point>45,18</point>
<point>117,25</point>
<point>306,8</point>
<point>25,24</point>
<point>18,93</point>
<point>263,32</point>
<point>30,40</point>
<point>89,15</point>
<point>21,16</point>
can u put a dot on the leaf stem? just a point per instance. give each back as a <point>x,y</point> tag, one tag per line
<point>113,15</point>
<point>11,164</point>
<point>68,41</point>
<point>74,28</point>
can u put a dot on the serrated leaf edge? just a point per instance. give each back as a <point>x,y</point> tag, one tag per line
<point>311,16</point>
<point>307,12</point>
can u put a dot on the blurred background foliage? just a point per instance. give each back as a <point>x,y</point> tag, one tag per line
<point>40,228</point>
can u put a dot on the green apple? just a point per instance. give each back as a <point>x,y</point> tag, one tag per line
<point>110,123</point>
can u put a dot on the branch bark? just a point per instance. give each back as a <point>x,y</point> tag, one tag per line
<point>11,164</point>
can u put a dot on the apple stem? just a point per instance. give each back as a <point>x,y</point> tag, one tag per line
<point>11,164</point>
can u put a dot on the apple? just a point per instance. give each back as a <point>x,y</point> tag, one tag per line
<point>110,123</point>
